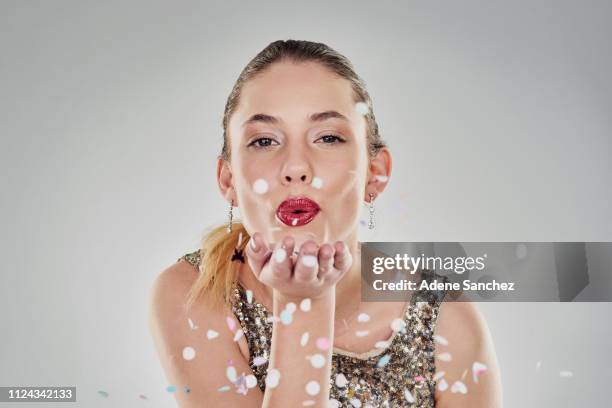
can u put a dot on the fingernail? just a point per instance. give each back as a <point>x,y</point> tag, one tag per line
<point>253,244</point>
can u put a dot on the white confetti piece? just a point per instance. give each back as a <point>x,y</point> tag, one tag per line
<point>259,360</point>
<point>363,317</point>
<point>224,388</point>
<point>305,305</point>
<point>439,375</point>
<point>362,108</point>
<point>409,398</point>
<point>273,378</point>
<point>565,374</point>
<point>291,307</point>
<point>286,317</point>
<point>231,374</point>
<point>249,295</point>
<point>460,387</point>
<point>341,380</point>
<point>211,334</point>
<point>440,340</point>
<point>317,360</point>
<point>355,402</point>
<point>260,186</point>
<point>398,325</point>
<point>238,335</point>
<point>189,353</point>
<point>381,344</point>
<point>251,381</point>
<point>317,182</point>
<point>478,369</point>
<point>313,388</point>
<point>191,325</point>
<point>446,356</point>
<point>304,339</point>
<point>362,333</point>
<point>280,255</point>
<point>294,222</point>
<point>443,385</point>
<point>308,403</point>
<point>382,178</point>
<point>309,260</point>
<point>333,403</point>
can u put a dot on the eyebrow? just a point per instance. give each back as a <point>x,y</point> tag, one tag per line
<point>315,117</point>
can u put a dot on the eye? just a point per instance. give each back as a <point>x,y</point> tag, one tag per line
<point>256,143</point>
<point>330,139</point>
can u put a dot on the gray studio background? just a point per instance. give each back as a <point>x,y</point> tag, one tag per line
<point>497,114</point>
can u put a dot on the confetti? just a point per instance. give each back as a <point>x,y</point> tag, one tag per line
<point>409,398</point>
<point>308,403</point>
<point>341,380</point>
<point>363,317</point>
<point>260,186</point>
<point>333,403</point>
<point>224,388</point>
<point>398,325</point>
<point>362,333</point>
<point>259,360</point>
<point>104,394</point>
<point>440,340</point>
<point>443,385</point>
<point>191,325</point>
<point>355,402</point>
<point>238,334</point>
<point>419,378</point>
<point>286,317</point>
<point>294,222</point>
<point>305,305</point>
<point>381,344</point>
<point>477,370</point>
<point>309,260</point>
<point>322,343</point>
<point>565,374</point>
<point>362,108</point>
<point>253,244</point>
<point>445,356</point>
<point>142,396</point>
<point>189,353</point>
<point>383,361</point>
<point>317,182</point>
<point>231,374</point>
<point>317,360</point>
<point>231,323</point>
<point>304,339</point>
<point>460,387</point>
<point>313,388</point>
<point>273,378</point>
<point>382,178</point>
<point>249,295</point>
<point>280,255</point>
<point>171,388</point>
<point>211,334</point>
<point>438,375</point>
<point>251,381</point>
<point>291,307</point>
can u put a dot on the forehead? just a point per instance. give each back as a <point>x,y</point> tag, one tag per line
<point>293,90</point>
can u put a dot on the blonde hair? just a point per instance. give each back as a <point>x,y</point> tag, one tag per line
<point>218,272</point>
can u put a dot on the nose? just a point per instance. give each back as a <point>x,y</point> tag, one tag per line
<point>296,169</point>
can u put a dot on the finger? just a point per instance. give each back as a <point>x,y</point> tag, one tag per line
<point>281,263</point>
<point>342,259</point>
<point>326,260</point>
<point>307,262</point>
<point>257,253</point>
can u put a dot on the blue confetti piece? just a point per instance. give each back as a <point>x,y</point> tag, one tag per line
<point>171,388</point>
<point>383,361</point>
<point>103,394</point>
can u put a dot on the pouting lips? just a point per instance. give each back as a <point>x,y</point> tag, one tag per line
<point>297,211</point>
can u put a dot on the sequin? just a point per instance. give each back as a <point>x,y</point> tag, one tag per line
<point>405,380</point>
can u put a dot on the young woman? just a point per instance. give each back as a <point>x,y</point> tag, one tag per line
<point>268,311</point>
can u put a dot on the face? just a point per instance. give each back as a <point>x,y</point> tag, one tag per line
<point>299,162</point>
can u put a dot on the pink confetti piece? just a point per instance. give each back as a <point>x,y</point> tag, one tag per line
<point>142,396</point>
<point>259,360</point>
<point>322,343</point>
<point>231,323</point>
<point>478,369</point>
<point>419,378</point>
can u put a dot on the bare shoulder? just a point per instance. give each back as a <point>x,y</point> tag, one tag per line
<point>194,344</point>
<point>465,354</point>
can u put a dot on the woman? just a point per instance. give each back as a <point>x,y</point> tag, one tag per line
<point>273,315</point>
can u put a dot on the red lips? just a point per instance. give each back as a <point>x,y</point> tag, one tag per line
<point>297,211</point>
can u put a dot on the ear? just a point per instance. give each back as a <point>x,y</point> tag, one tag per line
<point>225,181</point>
<point>379,172</point>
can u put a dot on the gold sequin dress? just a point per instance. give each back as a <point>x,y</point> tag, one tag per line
<point>400,375</point>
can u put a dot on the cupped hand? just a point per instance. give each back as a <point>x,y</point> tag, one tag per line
<point>308,274</point>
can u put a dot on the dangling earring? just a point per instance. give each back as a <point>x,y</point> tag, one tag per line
<point>371,223</point>
<point>229,225</point>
